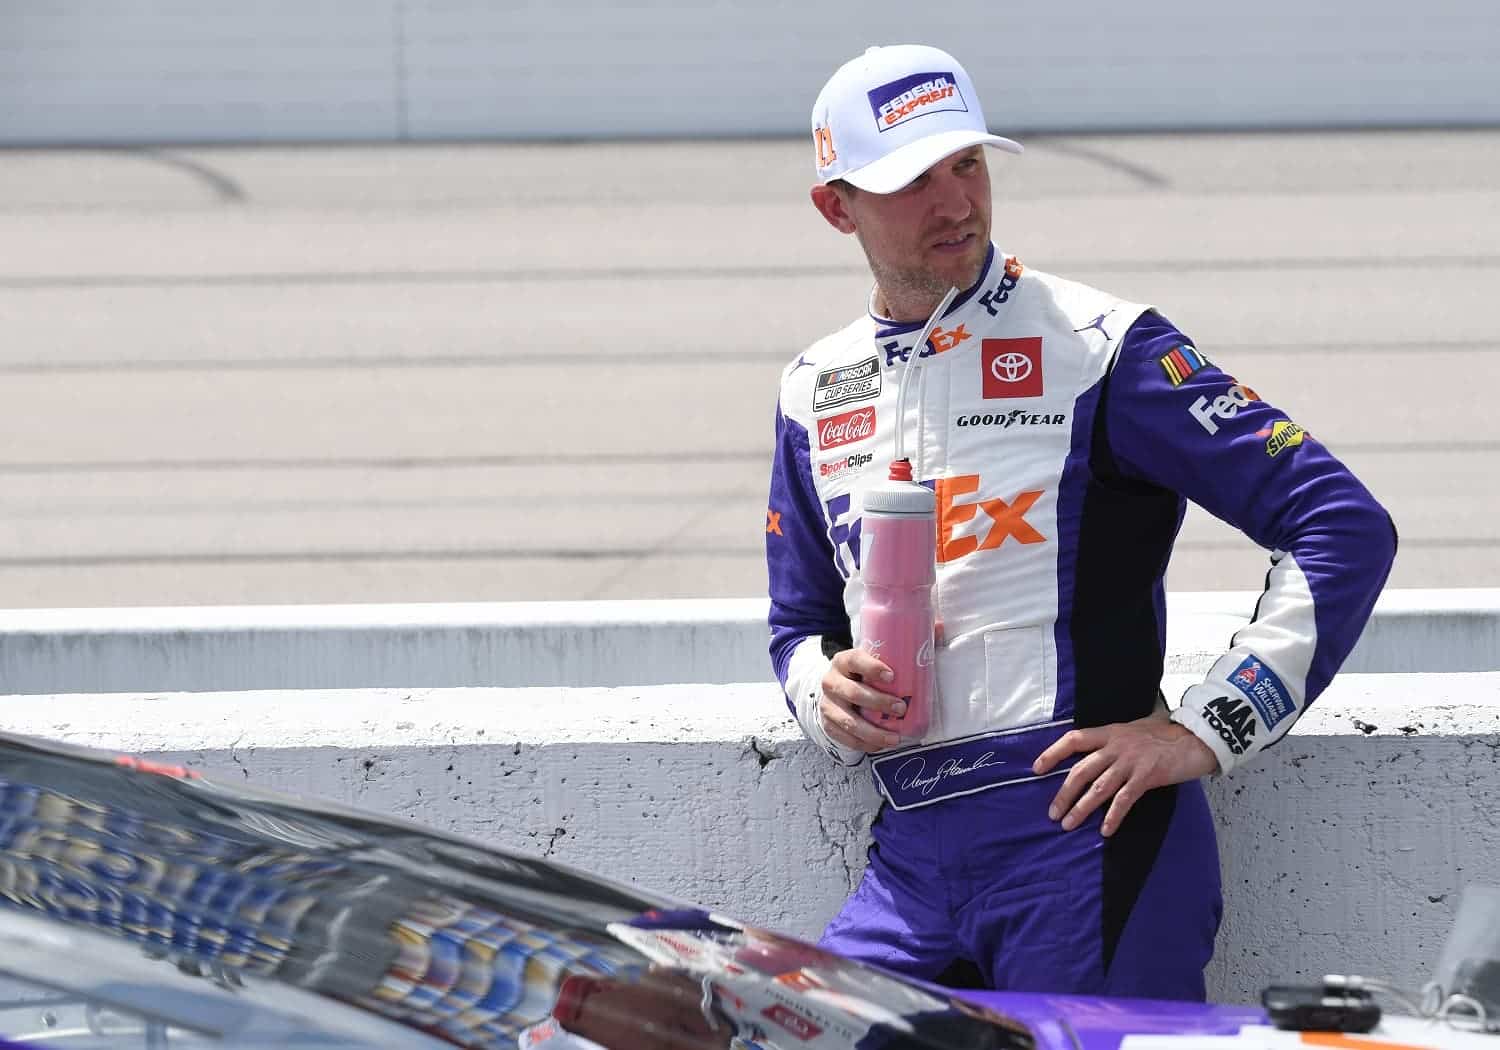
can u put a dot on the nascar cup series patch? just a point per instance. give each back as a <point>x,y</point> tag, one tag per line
<point>842,386</point>
<point>1181,362</point>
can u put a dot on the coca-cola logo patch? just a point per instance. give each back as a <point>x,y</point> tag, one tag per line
<point>846,427</point>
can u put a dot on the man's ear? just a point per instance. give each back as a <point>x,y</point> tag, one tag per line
<point>833,207</point>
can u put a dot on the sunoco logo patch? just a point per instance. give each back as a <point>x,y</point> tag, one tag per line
<point>915,96</point>
<point>1281,435</point>
<point>842,386</point>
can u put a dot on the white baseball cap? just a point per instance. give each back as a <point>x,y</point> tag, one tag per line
<point>890,114</point>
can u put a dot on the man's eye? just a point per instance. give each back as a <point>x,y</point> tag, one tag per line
<point>965,166</point>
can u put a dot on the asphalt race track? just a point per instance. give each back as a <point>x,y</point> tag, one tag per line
<point>489,372</point>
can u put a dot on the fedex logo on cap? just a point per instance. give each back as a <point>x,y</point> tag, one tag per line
<point>915,96</point>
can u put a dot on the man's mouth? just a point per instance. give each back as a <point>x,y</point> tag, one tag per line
<point>957,242</point>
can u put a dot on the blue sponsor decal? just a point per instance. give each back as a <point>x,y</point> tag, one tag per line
<point>1263,689</point>
<point>915,96</point>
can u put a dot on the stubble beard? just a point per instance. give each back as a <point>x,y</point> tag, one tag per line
<point>912,293</point>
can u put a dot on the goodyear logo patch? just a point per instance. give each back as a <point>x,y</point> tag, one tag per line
<point>1283,434</point>
<point>915,96</point>
<point>1263,689</point>
<point>1181,362</point>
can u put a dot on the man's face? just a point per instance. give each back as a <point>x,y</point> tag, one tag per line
<point>928,236</point>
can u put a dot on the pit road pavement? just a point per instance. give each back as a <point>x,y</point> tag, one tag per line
<point>499,372</point>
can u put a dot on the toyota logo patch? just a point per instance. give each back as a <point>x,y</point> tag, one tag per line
<point>1012,367</point>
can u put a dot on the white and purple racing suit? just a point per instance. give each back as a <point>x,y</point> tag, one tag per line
<point>1062,430</point>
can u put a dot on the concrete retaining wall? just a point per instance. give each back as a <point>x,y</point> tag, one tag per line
<point>215,70</point>
<point>579,643</point>
<point>1345,849</point>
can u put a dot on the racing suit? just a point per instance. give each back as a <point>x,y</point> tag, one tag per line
<point>1062,430</point>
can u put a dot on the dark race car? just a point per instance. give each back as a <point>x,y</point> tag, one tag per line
<point>143,906</point>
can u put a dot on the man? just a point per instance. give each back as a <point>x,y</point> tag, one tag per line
<point>1050,831</point>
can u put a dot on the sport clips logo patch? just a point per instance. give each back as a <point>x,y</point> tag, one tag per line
<point>915,96</point>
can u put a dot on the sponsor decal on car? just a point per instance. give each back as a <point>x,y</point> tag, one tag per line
<point>1181,362</point>
<point>539,1034</point>
<point>1281,435</point>
<point>800,980</point>
<point>1261,686</point>
<point>915,96</point>
<point>846,428</point>
<point>1233,720</point>
<point>792,1021</point>
<point>1011,367</point>
<point>1224,407</point>
<point>846,384</point>
<point>145,765</point>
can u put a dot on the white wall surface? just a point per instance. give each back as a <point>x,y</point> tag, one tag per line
<point>1344,849</point>
<point>156,70</point>
<point>609,643</point>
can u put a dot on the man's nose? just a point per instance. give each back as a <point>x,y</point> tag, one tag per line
<point>951,202</point>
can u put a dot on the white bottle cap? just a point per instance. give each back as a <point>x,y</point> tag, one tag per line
<point>899,497</point>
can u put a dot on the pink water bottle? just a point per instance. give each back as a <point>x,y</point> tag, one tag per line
<point>898,543</point>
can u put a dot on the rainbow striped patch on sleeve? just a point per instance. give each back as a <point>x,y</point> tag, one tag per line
<point>1181,362</point>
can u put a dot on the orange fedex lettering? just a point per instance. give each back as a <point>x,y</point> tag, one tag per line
<point>1008,518</point>
<point>943,341</point>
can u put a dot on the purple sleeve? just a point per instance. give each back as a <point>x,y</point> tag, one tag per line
<point>806,589</point>
<point>1177,421</point>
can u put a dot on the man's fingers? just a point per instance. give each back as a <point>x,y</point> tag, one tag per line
<point>1075,784</point>
<point>1123,800</point>
<point>1070,743</point>
<point>1128,759</point>
<point>1099,791</point>
<point>865,664</point>
<point>863,690</point>
<point>857,695</point>
<point>846,726</point>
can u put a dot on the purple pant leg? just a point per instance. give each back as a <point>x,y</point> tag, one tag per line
<point>988,879</point>
<point>1076,913</point>
<point>1168,937</point>
<point>898,917</point>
